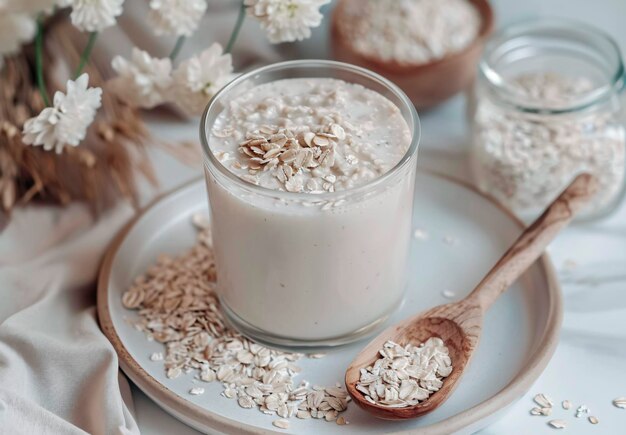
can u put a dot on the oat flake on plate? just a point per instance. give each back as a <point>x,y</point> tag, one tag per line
<point>177,306</point>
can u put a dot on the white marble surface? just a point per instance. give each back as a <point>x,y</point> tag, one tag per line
<point>589,364</point>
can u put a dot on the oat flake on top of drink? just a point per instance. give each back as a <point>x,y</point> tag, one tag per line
<point>310,135</point>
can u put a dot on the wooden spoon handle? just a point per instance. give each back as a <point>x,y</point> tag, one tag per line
<point>533,241</point>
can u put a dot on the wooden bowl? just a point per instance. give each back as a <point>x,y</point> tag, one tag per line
<point>426,84</point>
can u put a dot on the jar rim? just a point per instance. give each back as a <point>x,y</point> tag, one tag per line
<point>326,196</point>
<point>615,81</point>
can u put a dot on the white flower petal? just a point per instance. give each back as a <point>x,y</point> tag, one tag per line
<point>286,20</point>
<point>142,81</point>
<point>176,17</point>
<point>95,15</point>
<point>40,129</point>
<point>67,121</point>
<point>197,79</point>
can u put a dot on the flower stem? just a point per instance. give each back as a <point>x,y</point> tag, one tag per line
<point>84,57</point>
<point>233,36</point>
<point>41,84</point>
<point>179,44</point>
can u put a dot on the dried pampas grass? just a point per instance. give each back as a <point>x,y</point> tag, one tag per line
<point>102,168</point>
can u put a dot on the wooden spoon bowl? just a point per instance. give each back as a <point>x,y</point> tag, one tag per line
<point>460,324</point>
<point>415,330</point>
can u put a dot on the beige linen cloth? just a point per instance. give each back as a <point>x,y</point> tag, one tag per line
<point>58,372</point>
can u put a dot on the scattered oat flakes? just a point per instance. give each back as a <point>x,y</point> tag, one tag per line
<point>316,355</point>
<point>201,221</point>
<point>173,372</point>
<point>207,375</point>
<point>341,421</point>
<point>229,393</point>
<point>331,415</point>
<point>303,414</point>
<point>281,423</point>
<point>566,404</point>
<point>156,356</point>
<point>620,402</point>
<point>558,424</point>
<point>593,420</point>
<point>541,411</point>
<point>178,307</point>
<point>543,401</point>
<point>246,402</point>
<point>535,411</point>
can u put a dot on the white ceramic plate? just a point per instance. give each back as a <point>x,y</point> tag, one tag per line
<point>467,234</point>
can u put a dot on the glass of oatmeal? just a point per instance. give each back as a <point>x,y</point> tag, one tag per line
<point>310,169</point>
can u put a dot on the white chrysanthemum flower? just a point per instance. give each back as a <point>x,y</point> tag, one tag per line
<point>66,122</point>
<point>286,20</point>
<point>143,81</point>
<point>176,17</point>
<point>197,79</point>
<point>94,15</point>
<point>15,30</point>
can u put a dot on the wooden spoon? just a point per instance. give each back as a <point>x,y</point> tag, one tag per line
<point>459,324</point>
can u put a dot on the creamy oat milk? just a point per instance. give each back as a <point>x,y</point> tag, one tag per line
<point>313,244</point>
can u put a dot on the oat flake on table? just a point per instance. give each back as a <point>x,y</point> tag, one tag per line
<point>620,402</point>
<point>541,411</point>
<point>558,424</point>
<point>177,306</point>
<point>543,401</point>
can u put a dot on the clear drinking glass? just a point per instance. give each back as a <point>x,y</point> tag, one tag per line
<point>301,269</point>
<point>524,152</point>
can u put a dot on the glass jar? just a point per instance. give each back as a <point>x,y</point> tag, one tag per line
<point>547,106</point>
<point>310,269</point>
